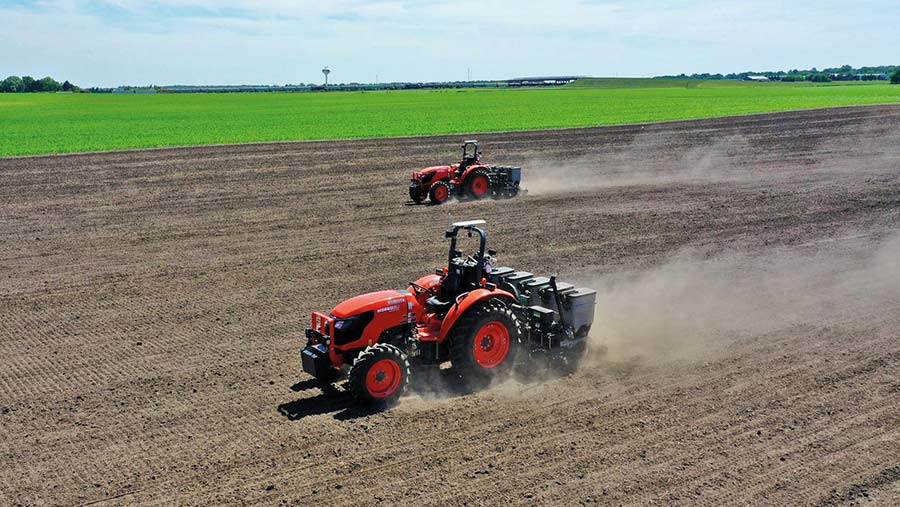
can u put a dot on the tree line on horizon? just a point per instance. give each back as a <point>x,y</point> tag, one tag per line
<point>28,84</point>
<point>844,73</point>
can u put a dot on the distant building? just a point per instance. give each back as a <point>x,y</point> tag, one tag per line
<point>123,89</point>
<point>757,79</point>
<point>542,81</point>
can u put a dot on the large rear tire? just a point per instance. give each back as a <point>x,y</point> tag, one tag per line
<point>478,184</point>
<point>439,193</point>
<point>484,342</point>
<point>379,375</point>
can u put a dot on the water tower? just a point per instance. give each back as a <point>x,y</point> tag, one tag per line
<point>326,71</point>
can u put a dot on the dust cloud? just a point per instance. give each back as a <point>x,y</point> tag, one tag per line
<point>694,302</point>
<point>647,160</point>
<point>660,159</point>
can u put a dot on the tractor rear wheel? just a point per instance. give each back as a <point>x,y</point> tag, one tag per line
<point>439,193</point>
<point>478,184</point>
<point>485,341</point>
<point>379,375</point>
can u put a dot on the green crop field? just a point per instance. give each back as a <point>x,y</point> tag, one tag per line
<point>59,123</point>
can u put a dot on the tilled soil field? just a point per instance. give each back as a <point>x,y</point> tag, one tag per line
<point>152,306</point>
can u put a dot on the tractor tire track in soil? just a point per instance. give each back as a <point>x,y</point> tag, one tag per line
<point>152,306</point>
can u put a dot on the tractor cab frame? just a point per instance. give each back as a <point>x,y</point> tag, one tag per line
<point>470,156</point>
<point>464,272</point>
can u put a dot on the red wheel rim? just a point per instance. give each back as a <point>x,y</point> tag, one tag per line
<point>491,344</point>
<point>383,378</point>
<point>480,185</point>
<point>440,193</point>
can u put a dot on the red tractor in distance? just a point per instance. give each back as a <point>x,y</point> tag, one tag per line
<point>478,317</point>
<point>470,178</point>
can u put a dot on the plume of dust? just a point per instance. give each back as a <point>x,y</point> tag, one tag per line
<point>646,160</point>
<point>659,159</point>
<point>691,303</point>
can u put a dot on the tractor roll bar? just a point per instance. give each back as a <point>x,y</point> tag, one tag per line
<point>482,243</point>
<point>465,148</point>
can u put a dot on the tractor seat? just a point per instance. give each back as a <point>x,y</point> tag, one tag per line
<point>438,306</point>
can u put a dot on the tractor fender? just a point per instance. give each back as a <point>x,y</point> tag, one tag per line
<point>467,301</point>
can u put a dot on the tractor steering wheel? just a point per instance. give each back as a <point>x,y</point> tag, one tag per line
<point>419,288</point>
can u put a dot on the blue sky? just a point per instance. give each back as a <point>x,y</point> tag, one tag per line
<point>111,42</point>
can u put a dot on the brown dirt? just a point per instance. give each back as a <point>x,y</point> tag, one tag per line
<point>152,304</point>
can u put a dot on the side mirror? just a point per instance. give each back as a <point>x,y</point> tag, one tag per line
<point>448,234</point>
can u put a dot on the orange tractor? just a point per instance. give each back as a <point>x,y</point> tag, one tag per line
<point>482,319</point>
<point>470,178</point>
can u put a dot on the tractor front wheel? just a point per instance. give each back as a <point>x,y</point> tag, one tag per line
<point>439,193</point>
<point>416,194</point>
<point>379,375</point>
<point>478,184</point>
<point>485,341</point>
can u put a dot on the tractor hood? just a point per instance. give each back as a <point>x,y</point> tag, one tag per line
<point>381,301</point>
<point>434,169</point>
